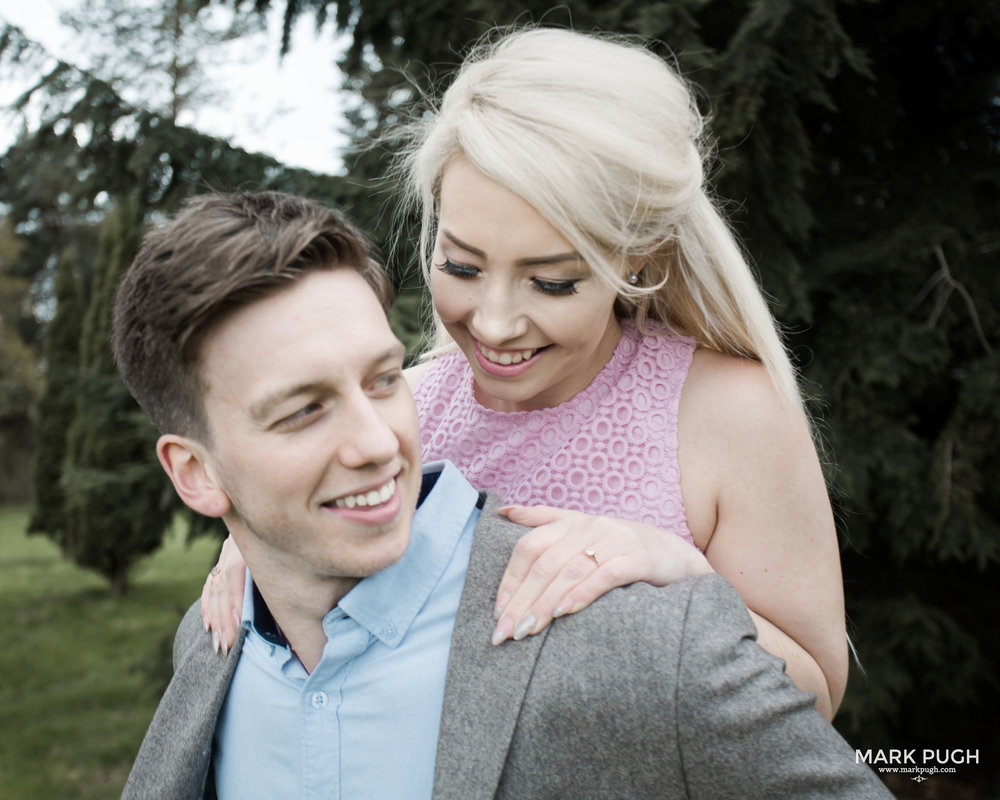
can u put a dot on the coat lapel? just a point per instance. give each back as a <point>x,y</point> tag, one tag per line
<point>485,684</point>
<point>175,756</point>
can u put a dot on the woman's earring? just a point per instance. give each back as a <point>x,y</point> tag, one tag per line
<point>633,278</point>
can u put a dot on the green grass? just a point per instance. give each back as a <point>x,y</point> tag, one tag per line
<point>81,671</point>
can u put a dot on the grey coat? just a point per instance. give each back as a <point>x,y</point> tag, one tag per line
<point>649,693</point>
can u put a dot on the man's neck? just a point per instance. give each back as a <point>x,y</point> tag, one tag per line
<point>298,607</point>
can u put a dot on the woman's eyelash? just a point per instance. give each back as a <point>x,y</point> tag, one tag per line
<point>558,288</point>
<point>555,287</point>
<point>449,267</point>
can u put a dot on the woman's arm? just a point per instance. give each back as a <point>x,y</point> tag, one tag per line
<point>757,506</point>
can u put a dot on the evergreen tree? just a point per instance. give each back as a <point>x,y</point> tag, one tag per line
<point>82,144</point>
<point>905,322</point>
<point>118,502</point>
<point>18,384</point>
<point>157,50</point>
<point>57,404</point>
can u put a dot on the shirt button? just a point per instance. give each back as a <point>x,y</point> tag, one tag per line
<point>389,631</point>
<point>319,700</point>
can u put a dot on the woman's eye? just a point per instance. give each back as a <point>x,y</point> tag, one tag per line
<point>555,287</point>
<point>449,267</point>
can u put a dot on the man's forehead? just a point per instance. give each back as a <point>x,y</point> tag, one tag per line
<point>330,317</point>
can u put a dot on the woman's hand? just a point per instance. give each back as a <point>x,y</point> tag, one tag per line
<point>222,597</point>
<point>571,558</point>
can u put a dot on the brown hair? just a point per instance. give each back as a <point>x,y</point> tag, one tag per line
<point>221,253</point>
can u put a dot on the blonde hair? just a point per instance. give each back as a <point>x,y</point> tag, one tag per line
<point>604,139</point>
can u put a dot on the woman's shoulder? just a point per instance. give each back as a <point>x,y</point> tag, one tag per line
<point>731,406</point>
<point>736,434</point>
<point>736,392</point>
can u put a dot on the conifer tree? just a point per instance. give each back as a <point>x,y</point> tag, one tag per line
<point>158,50</point>
<point>18,383</point>
<point>905,326</point>
<point>57,404</point>
<point>117,499</point>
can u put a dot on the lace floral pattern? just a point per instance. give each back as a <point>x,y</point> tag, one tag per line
<point>609,450</point>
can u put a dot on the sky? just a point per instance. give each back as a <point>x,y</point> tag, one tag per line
<point>287,108</point>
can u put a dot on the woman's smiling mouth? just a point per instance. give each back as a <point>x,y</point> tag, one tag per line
<point>506,357</point>
<point>505,363</point>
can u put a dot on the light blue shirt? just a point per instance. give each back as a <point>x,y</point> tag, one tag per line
<point>365,723</point>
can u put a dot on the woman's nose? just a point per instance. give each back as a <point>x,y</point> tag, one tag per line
<point>498,319</point>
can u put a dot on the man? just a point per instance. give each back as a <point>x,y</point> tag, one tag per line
<point>252,329</point>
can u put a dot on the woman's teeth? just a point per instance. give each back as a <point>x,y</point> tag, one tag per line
<point>373,498</point>
<point>507,357</point>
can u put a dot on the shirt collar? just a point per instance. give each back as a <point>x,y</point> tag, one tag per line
<point>387,602</point>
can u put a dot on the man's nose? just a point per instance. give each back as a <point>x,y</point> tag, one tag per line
<point>367,436</point>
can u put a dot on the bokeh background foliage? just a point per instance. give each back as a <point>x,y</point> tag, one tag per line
<point>857,153</point>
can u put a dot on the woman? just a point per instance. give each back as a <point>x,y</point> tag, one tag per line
<point>604,352</point>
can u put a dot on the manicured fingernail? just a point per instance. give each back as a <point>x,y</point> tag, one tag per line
<point>224,643</point>
<point>215,641</point>
<point>502,599</point>
<point>524,627</point>
<point>502,631</point>
<point>236,618</point>
<point>563,609</point>
<point>204,623</point>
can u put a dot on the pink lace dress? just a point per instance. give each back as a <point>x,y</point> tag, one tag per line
<point>609,450</point>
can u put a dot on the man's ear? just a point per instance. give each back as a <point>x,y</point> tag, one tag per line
<point>184,460</point>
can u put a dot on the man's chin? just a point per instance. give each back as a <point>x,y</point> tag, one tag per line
<point>375,556</point>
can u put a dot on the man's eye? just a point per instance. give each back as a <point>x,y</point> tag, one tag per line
<point>388,381</point>
<point>303,413</point>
